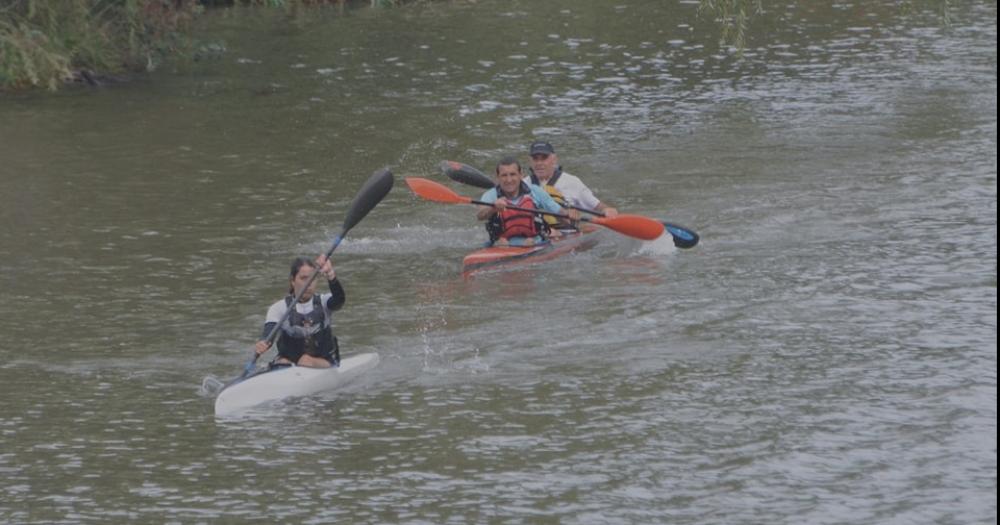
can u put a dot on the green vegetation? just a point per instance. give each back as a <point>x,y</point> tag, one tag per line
<point>46,42</point>
<point>734,16</point>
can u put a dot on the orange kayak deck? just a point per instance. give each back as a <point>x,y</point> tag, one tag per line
<point>495,257</point>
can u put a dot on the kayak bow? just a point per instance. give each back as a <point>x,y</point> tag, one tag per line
<point>494,257</point>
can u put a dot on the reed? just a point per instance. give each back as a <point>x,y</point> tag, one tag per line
<point>44,43</point>
<point>734,18</point>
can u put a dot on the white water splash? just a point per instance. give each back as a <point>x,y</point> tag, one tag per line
<point>662,245</point>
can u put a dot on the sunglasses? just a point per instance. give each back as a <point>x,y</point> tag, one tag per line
<point>540,156</point>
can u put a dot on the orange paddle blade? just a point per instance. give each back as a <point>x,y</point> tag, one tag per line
<point>633,225</point>
<point>433,191</point>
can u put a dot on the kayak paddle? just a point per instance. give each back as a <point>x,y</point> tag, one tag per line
<point>632,225</point>
<point>370,194</point>
<point>459,172</point>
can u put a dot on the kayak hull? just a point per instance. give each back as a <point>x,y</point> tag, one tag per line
<point>495,257</point>
<point>292,381</point>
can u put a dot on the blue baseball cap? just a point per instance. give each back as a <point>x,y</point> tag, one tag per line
<point>539,147</point>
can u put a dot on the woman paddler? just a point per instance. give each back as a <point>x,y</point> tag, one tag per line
<point>509,227</point>
<point>306,337</point>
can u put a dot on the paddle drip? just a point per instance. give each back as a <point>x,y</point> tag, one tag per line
<point>210,386</point>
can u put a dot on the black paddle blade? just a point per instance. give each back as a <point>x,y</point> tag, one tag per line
<point>373,191</point>
<point>466,174</point>
<point>683,237</point>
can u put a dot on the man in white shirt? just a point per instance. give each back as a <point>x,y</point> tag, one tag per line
<point>546,171</point>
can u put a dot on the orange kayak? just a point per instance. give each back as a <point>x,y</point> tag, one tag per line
<point>495,257</point>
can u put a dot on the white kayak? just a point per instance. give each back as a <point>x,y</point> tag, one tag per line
<point>292,381</point>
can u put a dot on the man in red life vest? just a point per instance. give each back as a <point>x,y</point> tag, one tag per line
<point>509,227</point>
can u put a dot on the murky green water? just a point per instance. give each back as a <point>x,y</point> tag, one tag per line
<point>825,355</point>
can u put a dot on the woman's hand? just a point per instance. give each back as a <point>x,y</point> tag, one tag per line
<point>261,347</point>
<point>326,267</point>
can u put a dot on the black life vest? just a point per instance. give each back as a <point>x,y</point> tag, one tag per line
<point>310,333</point>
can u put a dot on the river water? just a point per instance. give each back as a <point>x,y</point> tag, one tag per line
<point>826,354</point>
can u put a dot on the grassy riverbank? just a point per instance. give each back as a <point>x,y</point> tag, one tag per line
<point>44,43</point>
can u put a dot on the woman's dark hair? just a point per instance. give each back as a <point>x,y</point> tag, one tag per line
<point>297,265</point>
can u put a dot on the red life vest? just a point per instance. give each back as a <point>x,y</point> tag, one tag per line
<point>517,223</point>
